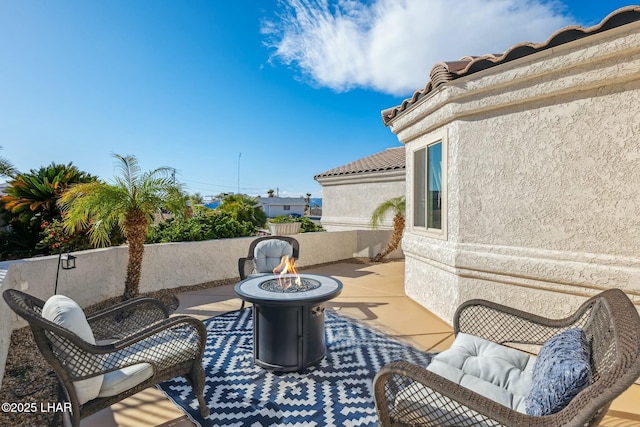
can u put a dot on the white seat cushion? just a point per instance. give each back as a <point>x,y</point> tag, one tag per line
<point>66,313</point>
<point>268,254</point>
<point>162,349</point>
<point>499,373</point>
<point>116,382</point>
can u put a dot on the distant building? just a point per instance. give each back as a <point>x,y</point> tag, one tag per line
<point>276,206</point>
<point>350,193</point>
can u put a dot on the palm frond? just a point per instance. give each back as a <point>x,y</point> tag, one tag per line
<point>130,171</point>
<point>95,205</point>
<point>6,168</point>
<point>396,205</point>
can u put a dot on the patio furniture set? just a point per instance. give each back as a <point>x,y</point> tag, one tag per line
<point>584,361</point>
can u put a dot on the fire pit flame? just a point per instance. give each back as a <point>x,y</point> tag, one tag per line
<point>288,275</point>
<point>287,279</point>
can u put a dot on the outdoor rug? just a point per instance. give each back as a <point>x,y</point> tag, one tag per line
<point>338,391</point>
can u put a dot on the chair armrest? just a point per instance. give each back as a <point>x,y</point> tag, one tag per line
<point>163,344</point>
<point>503,324</point>
<point>127,317</point>
<point>410,395</point>
<point>190,325</point>
<point>245,267</point>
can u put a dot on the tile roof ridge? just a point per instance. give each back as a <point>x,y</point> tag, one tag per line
<point>391,158</point>
<point>445,71</point>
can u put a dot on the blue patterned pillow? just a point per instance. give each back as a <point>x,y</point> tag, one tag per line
<point>561,371</point>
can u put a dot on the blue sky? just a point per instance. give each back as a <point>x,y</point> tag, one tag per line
<point>296,86</point>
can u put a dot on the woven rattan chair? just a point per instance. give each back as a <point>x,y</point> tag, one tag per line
<point>610,322</point>
<point>248,267</point>
<point>129,334</point>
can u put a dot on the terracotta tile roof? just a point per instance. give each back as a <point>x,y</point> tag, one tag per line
<point>444,72</point>
<point>389,159</point>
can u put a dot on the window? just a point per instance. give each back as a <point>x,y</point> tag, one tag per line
<point>428,189</point>
<point>287,207</point>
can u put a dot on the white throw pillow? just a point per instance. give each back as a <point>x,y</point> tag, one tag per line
<point>65,312</point>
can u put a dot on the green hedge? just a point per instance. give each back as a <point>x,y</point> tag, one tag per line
<point>205,226</point>
<point>307,226</point>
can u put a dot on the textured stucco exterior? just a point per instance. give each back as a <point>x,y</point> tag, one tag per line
<point>543,179</point>
<point>348,201</point>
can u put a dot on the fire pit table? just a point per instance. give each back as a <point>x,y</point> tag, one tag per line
<point>288,323</point>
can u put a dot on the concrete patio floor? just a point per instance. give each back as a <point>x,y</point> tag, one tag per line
<point>373,295</point>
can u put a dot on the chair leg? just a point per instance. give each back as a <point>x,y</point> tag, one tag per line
<point>242,306</point>
<point>197,380</point>
<point>63,418</point>
<point>57,414</point>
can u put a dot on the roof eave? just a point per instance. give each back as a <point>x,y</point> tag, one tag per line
<point>445,72</point>
<point>396,174</point>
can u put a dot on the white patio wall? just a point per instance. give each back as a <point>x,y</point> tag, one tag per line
<point>100,273</point>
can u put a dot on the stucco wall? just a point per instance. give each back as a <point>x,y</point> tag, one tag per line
<point>543,179</point>
<point>100,273</point>
<point>348,202</point>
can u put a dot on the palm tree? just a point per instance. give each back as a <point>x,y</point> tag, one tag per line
<point>244,208</point>
<point>197,199</point>
<point>36,192</point>
<point>6,168</point>
<point>30,202</point>
<point>130,203</point>
<point>307,204</point>
<point>397,207</point>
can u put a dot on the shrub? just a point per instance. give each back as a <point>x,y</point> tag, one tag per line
<point>244,208</point>
<point>203,226</point>
<point>281,219</point>
<point>307,225</point>
<point>54,237</point>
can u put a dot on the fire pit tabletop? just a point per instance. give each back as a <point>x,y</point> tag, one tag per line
<point>251,291</point>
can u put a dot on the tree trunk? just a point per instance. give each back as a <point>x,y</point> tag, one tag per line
<point>136,231</point>
<point>396,237</point>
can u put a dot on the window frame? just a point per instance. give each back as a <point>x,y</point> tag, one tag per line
<point>431,140</point>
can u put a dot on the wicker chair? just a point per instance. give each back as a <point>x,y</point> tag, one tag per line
<point>247,266</point>
<point>611,324</point>
<point>130,334</point>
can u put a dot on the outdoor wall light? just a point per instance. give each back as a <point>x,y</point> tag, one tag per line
<point>67,261</point>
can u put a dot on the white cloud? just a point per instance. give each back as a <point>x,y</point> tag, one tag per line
<point>392,45</point>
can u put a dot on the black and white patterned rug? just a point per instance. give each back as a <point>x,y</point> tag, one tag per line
<point>338,391</point>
